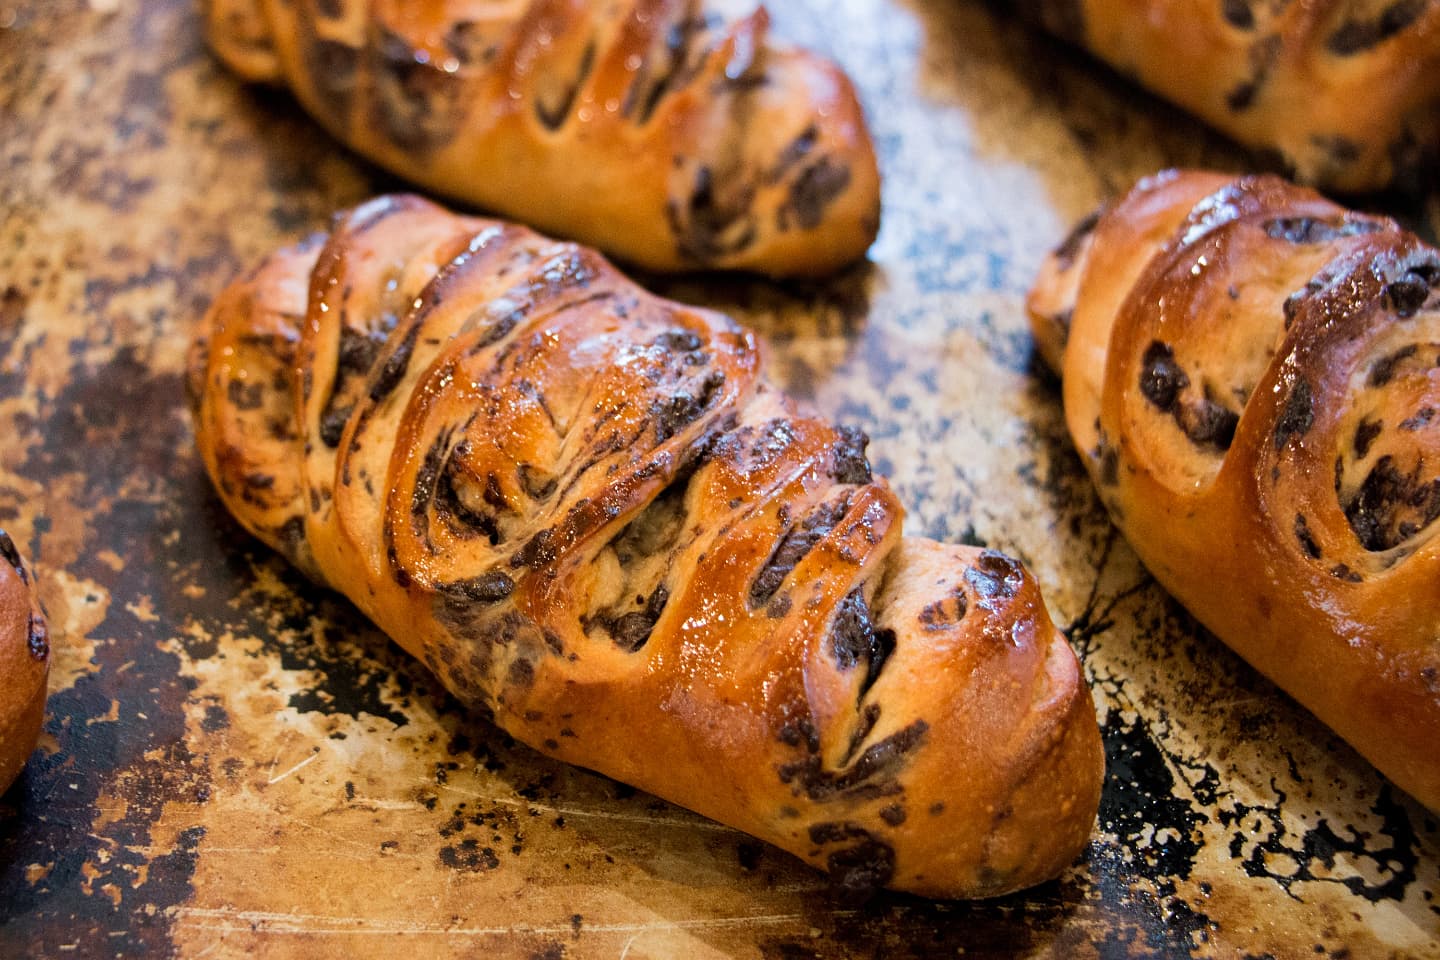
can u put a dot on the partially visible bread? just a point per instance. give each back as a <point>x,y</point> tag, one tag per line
<point>673,134</point>
<point>585,509</point>
<point>24,662</point>
<point>1252,376</point>
<point>1347,91</point>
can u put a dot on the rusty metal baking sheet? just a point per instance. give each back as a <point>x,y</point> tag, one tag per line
<point>234,763</point>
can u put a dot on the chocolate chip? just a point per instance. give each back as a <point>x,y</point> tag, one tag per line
<point>707,228</point>
<point>521,674</point>
<point>994,575</point>
<point>1365,435</point>
<point>10,553</point>
<point>537,552</point>
<point>1311,230</point>
<point>794,733</point>
<point>1391,506</point>
<point>828,832</point>
<point>853,637</point>
<point>292,533</point>
<point>1307,540</point>
<point>847,456</point>
<point>794,152</point>
<point>537,483</point>
<point>553,117</point>
<point>426,478</point>
<point>1355,36</point>
<point>1161,379</point>
<point>811,193</point>
<point>672,414</point>
<point>1421,419</point>
<point>1384,370</point>
<point>1343,572</point>
<point>793,547</point>
<point>871,775</point>
<point>679,341</point>
<point>491,587</point>
<point>632,631</point>
<point>393,371</point>
<point>245,396</point>
<point>332,66</point>
<point>1263,54</point>
<point>1242,96</point>
<point>451,508</point>
<point>1238,14</point>
<point>1405,296</point>
<point>332,425</point>
<point>38,638</point>
<point>358,352</point>
<point>1110,467</point>
<point>869,716</point>
<point>467,44</point>
<point>1208,423</point>
<point>641,103</point>
<point>943,614</point>
<point>1298,415</point>
<point>413,102</point>
<point>852,633</point>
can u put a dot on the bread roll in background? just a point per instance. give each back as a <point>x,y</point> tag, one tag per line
<point>672,134</point>
<point>1252,376</point>
<point>1347,92</point>
<point>24,662</point>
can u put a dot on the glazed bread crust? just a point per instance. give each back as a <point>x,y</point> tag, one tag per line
<point>584,509</point>
<point>24,662</point>
<point>1346,91</point>
<point>1252,376</point>
<point>669,133</point>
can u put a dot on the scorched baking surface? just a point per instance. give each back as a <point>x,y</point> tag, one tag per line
<point>234,762</point>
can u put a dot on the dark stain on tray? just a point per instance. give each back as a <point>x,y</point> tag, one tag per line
<point>131,201</point>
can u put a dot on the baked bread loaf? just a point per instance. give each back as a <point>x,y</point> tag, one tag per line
<point>1252,376</point>
<point>24,662</point>
<point>1346,91</point>
<point>666,132</point>
<point>586,511</point>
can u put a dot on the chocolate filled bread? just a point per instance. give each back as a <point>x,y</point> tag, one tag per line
<point>586,510</point>
<point>673,134</point>
<point>1252,377</point>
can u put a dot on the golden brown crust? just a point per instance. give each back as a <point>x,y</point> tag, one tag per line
<point>1252,375</point>
<point>660,131</point>
<point>24,662</point>
<point>583,507</point>
<point>1347,91</point>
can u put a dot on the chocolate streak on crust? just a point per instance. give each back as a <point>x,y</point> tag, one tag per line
<point>12,555</point>
<point>1357,36</point>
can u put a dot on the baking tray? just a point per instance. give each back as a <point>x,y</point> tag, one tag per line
<point>235,763</point>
